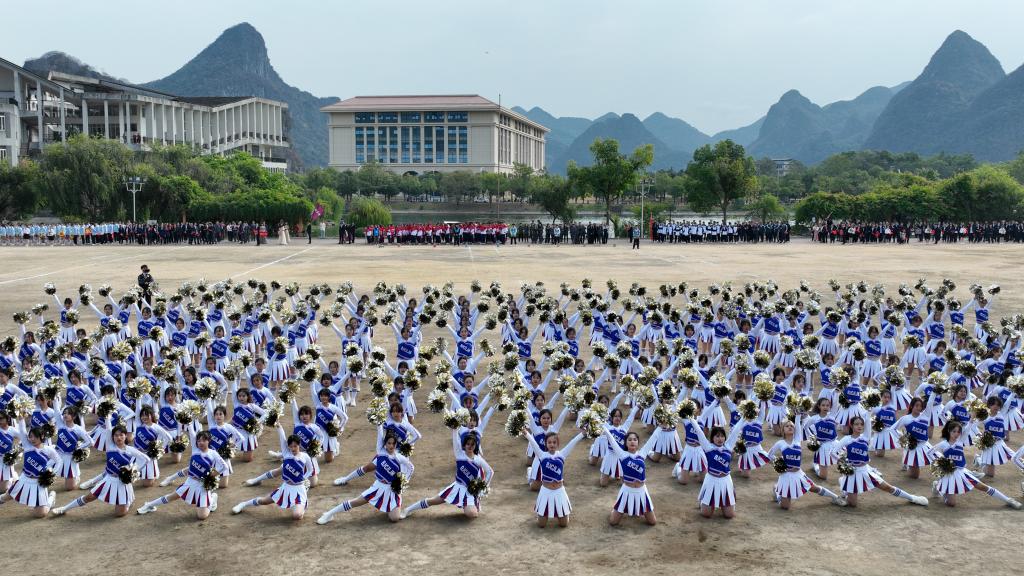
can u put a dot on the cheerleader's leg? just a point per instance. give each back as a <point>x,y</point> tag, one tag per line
<point>1012,503</point>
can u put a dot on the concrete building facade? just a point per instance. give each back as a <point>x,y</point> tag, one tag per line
<point>419,134</point>
<point>37,111</point>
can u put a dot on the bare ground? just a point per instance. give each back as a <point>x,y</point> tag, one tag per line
<point>882,536</point>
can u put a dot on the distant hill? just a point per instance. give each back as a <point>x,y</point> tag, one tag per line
<point>678,134</point>
<point>797,128</point>
<point>67,63</point>
<point>744,135</point>
<point>992,129</point>
<point>921,117</point>
<point>236,64</point>
<point>631,134</point>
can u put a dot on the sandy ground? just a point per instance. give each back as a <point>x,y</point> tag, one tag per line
<point>883,535</point>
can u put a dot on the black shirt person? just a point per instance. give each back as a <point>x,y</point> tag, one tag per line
<point>146,282</point>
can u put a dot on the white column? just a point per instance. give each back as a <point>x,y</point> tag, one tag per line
<point>39,111</point>
<point>85,116</point>
<point>63,125</point>
<point>192,127</point>
<point>106,119</point>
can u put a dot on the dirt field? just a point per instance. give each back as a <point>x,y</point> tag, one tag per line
<point>885,535</point>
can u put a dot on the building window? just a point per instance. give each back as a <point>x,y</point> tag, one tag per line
<point>410,117</point>
<point>458,116</point>
<point>453,144</point>
<point>439,144</point>
<point>434,116</point>
<point>428,145</point>
<point>382,144</point>
<point>387,117</point>
<point>364,117</point>
<point>360,146</point>
<point>463,145</point>
<point>3,153</point>
<point>393,144</point>
<point>371,152</point>
<point>3,123</point>
<point>406,148</point>
<point>415,144</point>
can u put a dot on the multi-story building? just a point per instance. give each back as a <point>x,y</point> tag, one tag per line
<point>36,111</point>
<point>418,134</point>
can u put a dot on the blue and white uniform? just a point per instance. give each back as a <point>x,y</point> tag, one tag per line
<point>385,467</point>
<point>552,499</point>
<point>200,464</point>
<point>632,500</point>
<point>467,469</point>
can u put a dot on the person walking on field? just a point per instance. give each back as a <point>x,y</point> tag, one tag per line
<point>635,233</point>
<point>309,233</point>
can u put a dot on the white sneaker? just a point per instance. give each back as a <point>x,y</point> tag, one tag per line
<point>166,481</point>
<point>238,508</point>
<point>677,470</point>
<point>252,482</point>
<point>935,488</point>
<point>327,517</point>
<point>274,453</point>
<point>405,514</point>
<point>50,499</point>
<point>87,484</point>
<point>213,502</point>
<point>146,509</point>
<point>817,470</point>
<point>1013,504</point>
<point>341,481</point>
<point>919,500</point>
<point>839,500</point>
<point>57,511</point>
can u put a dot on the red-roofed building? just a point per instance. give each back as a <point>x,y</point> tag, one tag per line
<point>441,133</point>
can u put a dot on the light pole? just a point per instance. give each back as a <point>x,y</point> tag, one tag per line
<point>645,187</point>
<point>134,185</point>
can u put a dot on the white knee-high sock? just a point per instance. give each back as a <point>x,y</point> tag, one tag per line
<point>158,502</point>
<point>421,505</point>
<point>901,494</point>
<point>822,491</point>
<point>343,507</point>
<point>998,495</point>
<point>355,474</point>
<point>80,501</point>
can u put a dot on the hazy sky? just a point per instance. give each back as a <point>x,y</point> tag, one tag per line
<point>716,63</point>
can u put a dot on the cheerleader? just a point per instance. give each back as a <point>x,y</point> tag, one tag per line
<point>957,409</point>
<point>152,440</point>
<point>883,416</point>
<point>111,488</point>
<point>246,418</point>
<point>717,492</point>
<point>552,499</point>
<point>793,482</point>
<point>959,480</point>
<point>992,440</point>
<point>391,472</point>
<point>205,467</point>
<point>71,438</point>
<point>665,439</point>
<point>748,449</point>
<point>9,440</point>
<point>295,471</point>
<point>617,427</point>
<point>861,477</point>
<point>823,431</point>
<point>539,432</point>
<point>633,498</point>
<point>692,461</point>
<point>38,462</point>
<point>470,470</point>
<point>917,451</point>
<point>871,367</point>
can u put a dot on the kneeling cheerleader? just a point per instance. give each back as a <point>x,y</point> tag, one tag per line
<point>717,492</point>
<point>295,471</point>
<point>950,469</point>
<point>693,461</point>
<point>121,471</point>
<point>618,427</point>
<point>472,477</point>
<point>633,498</point>
<point>552,499</point>
<point>32,488</point>
<point>72,446</point>
<point>788,457</point>
<point>202,478</point>
<point>392,472</point>
<point>856,474</point>
<point>992,447</point>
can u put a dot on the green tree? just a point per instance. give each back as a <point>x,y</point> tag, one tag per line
<point>459,185</point>
<point>85,178</point>
<point>553,194</point>
<point>822,206</point>
<point>765,208</point>
<point>372,179</point>
<point>18,191</point>
<point>611,173</point>
<point>493,184</point>
<point>330,200</point>
<point>519,183</point>
<point>368,212</point>
<point>718,177</point>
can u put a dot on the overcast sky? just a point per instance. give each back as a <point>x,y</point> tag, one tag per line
<point>716,63</point>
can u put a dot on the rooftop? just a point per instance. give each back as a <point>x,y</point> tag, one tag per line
<point>467,101</point>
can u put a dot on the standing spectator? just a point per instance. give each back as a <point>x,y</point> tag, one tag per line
<point>635,234</point>
<point>146,282</point>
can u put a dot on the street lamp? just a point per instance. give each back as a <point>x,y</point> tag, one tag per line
<point>645,187</point>
<point>134,185</point>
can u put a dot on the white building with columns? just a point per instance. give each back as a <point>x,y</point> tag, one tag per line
<point>36,111</point>
<point>418,134</point>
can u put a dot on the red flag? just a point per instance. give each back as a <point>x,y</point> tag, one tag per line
<point>317,212</point>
